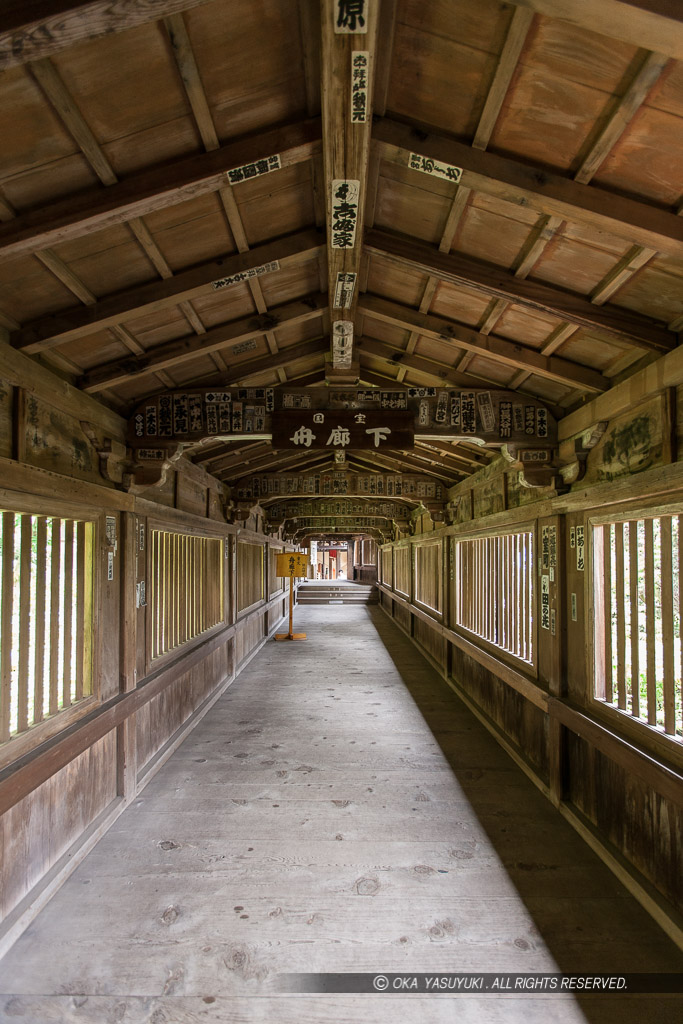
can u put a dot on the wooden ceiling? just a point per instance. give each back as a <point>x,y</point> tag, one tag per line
<point>548,260</point>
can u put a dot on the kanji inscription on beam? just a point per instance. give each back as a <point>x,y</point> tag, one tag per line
<point>351,17</point>
<point>341,428</point>
<point>344,212</point>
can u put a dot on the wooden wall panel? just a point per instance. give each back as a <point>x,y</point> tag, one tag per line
<point>434,645</point>
<point>159,719</point>
<point>525,724</point>
<point>248,637</point>
<point>402,617</point>
<point>41,827</point>
<point>614,800</point>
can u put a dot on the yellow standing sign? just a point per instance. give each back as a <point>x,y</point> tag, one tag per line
<point>293,564</point>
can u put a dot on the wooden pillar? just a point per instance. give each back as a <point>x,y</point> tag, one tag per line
<point>126,746</point>
<point>552,640</point>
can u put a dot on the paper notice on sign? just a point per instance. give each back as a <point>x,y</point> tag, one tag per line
<point>345,198</point>
<point>343,291</point>
<point>434,167</point>
<point>486,413</point>
<point>580,549</point>
<point>545,602</point>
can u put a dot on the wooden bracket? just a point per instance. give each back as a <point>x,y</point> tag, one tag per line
<point>572,472</point>
<point>112,454</point>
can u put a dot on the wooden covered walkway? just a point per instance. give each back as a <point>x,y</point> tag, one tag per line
<point>333,814</point>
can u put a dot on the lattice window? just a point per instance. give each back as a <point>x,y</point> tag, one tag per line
<point>187,589</point>
<point>637,625</point>
<point>249,574</point>
<point>277,583</point>
<point>402,568</point>
<point>428,575</point>
<point>46,583</point>
<point>385,565</point>
<point>494,593</point>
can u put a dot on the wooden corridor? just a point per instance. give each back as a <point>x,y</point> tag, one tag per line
<point>332,814</point>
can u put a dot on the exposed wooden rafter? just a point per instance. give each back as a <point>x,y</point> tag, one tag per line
<point>654,24</point>
<point>183,350</point>
<point>127,305</point>
<point>30,29</point>
<point>499,350</point>
<point>494,281</point>
<point>140,194</point>
<point>536,188</point>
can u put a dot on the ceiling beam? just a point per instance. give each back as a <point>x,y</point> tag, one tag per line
<point>243,371</point>
<point>443,375</point>
<point>154,189</point>
<point>653,24</point>
<point>507,62</point>
<point>455,450</point>
<point>535,188</point>
<point>182,350</point>
<point>346,148</point>
<point>498,350</point>
<point>147,298</point>
<point>399,462</point>
<point>268,462</point>
<point>32,29</point>
<point>495,281</point>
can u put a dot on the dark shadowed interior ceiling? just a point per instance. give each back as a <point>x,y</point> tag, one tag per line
<point>489,193</point>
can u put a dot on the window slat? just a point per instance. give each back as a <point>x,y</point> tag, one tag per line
<point>637,600</point>
<point>494,591</point>
<point>7,613</point>
<point>668,628</point>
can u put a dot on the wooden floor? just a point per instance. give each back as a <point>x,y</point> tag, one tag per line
<point>338,810</point>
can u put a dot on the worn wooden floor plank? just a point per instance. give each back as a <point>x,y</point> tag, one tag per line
<point>313,822</point>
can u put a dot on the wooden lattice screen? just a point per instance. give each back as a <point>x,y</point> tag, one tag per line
<point>494,593</point>
<point>428,579</point>
<point>46,583</point>
<point>249,574</point>
<point>402,569</point>
<point>187,588</point>
<point>637,619</point>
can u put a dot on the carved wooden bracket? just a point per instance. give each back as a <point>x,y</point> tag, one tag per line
<point>153,471</point>
<point>112,454</point>
<point>575,470</point>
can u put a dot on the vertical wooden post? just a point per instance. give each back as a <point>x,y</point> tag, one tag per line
<point>551,646</point>
<point>126,747</point>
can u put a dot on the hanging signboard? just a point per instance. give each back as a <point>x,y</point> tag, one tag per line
<point>306,429</point>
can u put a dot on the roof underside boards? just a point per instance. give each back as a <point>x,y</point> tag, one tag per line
<point>152,156</point>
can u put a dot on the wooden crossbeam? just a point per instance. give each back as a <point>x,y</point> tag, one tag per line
<point>535,188</point>
<point>154,189</point>
<point>456,452</point>
<point>183,350</point>
<point>31,29</point>
<point>143,299</point>
<point>269,460</point>
<point>346,151</point>
<point>399,462</point>
<point>443,375</point>
<point>494,281</point>
<point>304,350</point>
<point>499,350</point>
